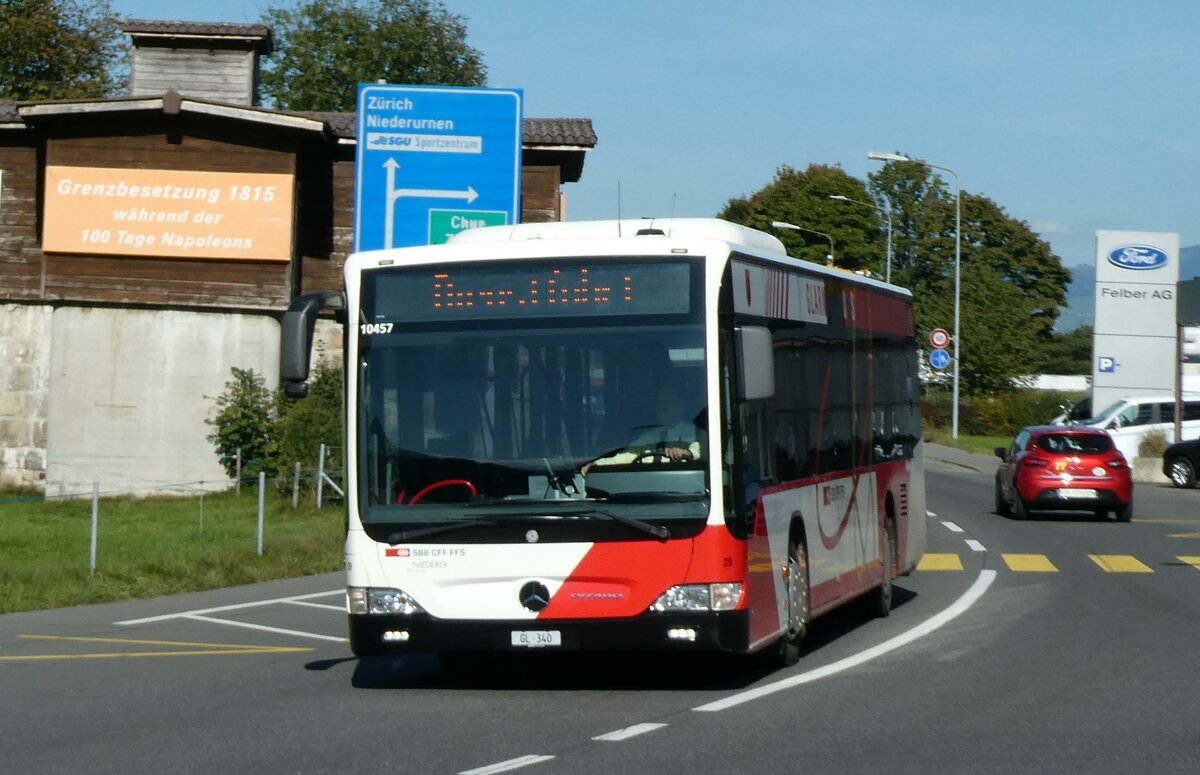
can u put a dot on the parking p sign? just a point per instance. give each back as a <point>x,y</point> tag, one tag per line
<point>435,160</point>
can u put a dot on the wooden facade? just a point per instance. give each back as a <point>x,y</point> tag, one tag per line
<point>225,76</point>
<point>176,133</point>
<point>216,61</point>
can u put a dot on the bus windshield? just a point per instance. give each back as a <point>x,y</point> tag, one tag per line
<point>486,412</point>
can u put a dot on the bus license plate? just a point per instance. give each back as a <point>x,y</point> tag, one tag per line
<point>536,638</point>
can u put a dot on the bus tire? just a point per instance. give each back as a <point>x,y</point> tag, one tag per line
<point>883,595</point>
<point>791,643</point>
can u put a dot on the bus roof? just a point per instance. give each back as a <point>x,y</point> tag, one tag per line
<point>631,228</point>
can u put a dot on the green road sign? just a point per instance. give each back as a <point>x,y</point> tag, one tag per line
<point>443,224</point>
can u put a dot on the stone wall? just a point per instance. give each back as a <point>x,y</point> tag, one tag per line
<point>24,389</point>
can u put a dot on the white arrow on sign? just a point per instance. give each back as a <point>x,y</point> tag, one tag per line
<point>394,193</point>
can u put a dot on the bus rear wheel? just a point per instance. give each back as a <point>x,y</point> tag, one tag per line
<point>883,595</point>
<point>796,589</point>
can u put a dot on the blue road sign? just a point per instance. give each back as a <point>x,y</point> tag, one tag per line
<point>426,149</point>
<point>939,358</point>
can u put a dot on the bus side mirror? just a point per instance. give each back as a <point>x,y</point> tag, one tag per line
<point>296,335</point>
<point>755,363</point>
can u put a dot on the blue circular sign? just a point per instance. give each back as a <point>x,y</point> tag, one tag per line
<point>939,359</point>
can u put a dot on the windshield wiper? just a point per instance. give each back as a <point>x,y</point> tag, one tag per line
<point>406,535</point>
<point>655,497</point>
<point>658,531</point>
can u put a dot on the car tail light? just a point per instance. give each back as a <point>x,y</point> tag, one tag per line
<point>1116,463</point>
<point>1036,462</point>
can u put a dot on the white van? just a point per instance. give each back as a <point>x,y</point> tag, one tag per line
<point>1130,419</point>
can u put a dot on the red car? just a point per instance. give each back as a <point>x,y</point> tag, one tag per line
<point>1063,468</point>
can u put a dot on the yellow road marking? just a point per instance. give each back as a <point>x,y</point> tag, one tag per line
<point>1167,521</point>
<point>204,649</point>
<point>1183,535</point>
<point>1193,561</point>
<point>148,642</point>
<point>936,561</point>
<point>1029,563</point>
<point>1120,563</point>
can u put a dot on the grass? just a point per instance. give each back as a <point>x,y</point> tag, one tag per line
<point>147,547</point>
<point>983,445</point>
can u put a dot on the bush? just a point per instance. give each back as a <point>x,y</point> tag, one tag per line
<point>275,433</point>
<point>1153,444</point>
<point>1002,414</point>
<point>304,425</point>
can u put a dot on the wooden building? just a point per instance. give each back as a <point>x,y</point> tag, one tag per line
<point>113,340</point>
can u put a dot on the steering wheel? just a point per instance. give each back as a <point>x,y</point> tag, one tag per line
<point>651,456</point>
<point>440,485</point>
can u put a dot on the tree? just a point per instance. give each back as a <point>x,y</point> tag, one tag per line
<point>243,424</point>
<point>921,211</point>
<point>1009,277</point>
<point>1011,284</point>
<point>802,199</point>
<point>1066,353</point>
<point>325,48</point>
<point>59,49</point>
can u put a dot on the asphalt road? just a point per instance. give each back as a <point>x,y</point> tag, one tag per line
<point>1053,644</point>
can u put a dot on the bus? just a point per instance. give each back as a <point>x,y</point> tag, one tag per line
<point>505,491</point>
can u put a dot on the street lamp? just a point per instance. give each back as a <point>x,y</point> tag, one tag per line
<point>794,227</point>
<point>883,156</point>
<point>887,214</point>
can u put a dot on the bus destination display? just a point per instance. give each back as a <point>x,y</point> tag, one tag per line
<point>465,292</point>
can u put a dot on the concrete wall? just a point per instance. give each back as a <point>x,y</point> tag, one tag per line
<point>24,389</point>
<point>129,392</point>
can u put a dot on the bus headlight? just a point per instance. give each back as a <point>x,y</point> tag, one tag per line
<point>700,597</point>
<point>366,600</point>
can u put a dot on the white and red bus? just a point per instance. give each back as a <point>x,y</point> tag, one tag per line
<point>502,493</point>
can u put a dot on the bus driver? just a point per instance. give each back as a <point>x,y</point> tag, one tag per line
<point>674,438</point>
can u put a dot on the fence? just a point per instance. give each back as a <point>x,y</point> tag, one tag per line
<point>131,528</point>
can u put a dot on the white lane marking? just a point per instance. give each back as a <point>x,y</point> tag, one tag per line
<point>930,514</point>
<point>959,606</point>
<point>326,606</point>
<point>264,628</point>
<point>953,528</point>
<point>511,764</point>
<point>971,542</point>
<point>234,607</point>
<point>628,732</point>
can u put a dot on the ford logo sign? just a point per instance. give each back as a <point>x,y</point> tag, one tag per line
<point>1137,257</point>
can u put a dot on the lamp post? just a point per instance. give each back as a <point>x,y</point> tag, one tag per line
<point>794,227</point>
<point>887,214</point>
<point>883,156</point>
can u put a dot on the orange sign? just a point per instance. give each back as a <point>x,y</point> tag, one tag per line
<point>175,213</point>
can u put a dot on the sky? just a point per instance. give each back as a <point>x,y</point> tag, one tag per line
<point>1072,115</point>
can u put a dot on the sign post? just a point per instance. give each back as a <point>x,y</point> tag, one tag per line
<point>433,161</point>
